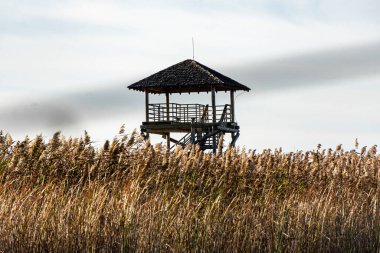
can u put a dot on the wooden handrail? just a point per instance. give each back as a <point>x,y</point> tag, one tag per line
<point>184,112</point>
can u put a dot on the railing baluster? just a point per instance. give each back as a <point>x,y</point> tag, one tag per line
<point>196,112</point>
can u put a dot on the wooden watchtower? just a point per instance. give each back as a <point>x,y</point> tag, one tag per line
<point>201,124</point>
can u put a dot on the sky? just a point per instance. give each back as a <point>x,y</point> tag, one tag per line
<point>313,66</point>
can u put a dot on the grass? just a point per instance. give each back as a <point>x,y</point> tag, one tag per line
<point>64,195</point>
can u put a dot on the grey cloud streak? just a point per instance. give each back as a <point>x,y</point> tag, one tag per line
<point>71,109</point>
<point>315,68</point>
<point>38,115</point>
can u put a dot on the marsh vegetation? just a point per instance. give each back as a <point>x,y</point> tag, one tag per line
<point>65,195</point>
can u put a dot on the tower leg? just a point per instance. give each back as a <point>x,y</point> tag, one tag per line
<point>214,142</point>
<point>234,139</point>
<point>192,139</point>
<point>168,141</point>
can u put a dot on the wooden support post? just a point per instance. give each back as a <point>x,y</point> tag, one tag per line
<point>232,98</point>
<point>213,105</point>
<point>192,131</point>
<point>234,139</point>
<point>168,142</point>
<point>147,109</point>
<point>213,119</point>
<point>168,119</point>
<point>146,106</point>
<point>167,107</point>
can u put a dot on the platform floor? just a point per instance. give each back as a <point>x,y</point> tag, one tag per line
<point>171,126</point>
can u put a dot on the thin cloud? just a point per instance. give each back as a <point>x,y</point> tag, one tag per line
<point>71,109</point>
<point>315,68</point>
<point>38,115</point>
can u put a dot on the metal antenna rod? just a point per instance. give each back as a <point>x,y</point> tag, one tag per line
<point>192,39</point>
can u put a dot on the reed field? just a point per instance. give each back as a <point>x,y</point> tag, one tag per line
<point>65,195</point>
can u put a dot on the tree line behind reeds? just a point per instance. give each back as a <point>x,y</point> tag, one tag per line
<point>65,195</point>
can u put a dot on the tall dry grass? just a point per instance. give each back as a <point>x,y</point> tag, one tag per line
<point>64,195</point>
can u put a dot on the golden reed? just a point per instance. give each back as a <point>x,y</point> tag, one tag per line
<point>65,195</point>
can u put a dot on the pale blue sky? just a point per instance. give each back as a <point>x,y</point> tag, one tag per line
<point>313,66</point>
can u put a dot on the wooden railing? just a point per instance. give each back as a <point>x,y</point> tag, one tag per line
<point>184,113</point>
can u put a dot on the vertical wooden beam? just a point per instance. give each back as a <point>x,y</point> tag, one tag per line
<point>168,141</point>
<point>213,119</point>
<point>192,131</point>
<point>232,99</point>
<point>213,105</point>
<point>146,106</point>
<point>147,109</point>
<point>167,107</point>
<point>168,119</point>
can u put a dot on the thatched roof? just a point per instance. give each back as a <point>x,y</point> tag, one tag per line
<point>187,76</point>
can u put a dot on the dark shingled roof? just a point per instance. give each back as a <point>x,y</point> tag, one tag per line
<point>187,76</point>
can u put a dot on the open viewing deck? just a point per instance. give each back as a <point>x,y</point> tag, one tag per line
<point>202,124</point>
<point>184,117</point>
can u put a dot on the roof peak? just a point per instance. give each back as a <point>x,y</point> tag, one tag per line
<point>187,76</point>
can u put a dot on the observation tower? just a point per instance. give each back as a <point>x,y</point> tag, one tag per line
<point>200,123</point>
